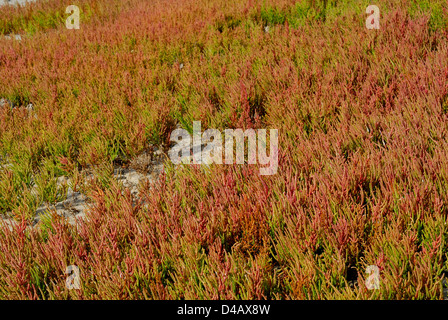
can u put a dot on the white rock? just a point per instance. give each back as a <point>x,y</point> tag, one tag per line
<point>15,2</point>
<point>4,102</point>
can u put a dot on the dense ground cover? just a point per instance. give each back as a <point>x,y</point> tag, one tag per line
<point>362,120</point>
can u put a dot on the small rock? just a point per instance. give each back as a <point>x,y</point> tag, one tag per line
<point>6,102</point>
<point>158,153</point>
<point>10,223</point>
<point>17,37</point>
